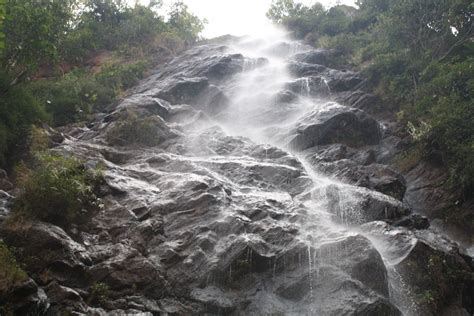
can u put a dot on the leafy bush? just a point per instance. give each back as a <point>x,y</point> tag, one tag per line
<point>446,99</point>
<point>18,111</point>
<point>74,96</point>
<point>134,130</point>
<point>58,190</point>
<point>99,294</point>
<point>10,272</point>
<point>121,77</point>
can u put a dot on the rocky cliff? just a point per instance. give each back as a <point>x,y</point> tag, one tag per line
<point>259,185</point>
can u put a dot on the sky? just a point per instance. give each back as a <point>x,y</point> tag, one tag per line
<point>235,17</point>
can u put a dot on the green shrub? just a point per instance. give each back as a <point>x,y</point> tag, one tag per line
<point>59,190</point>
<point>76,95</point>
<point>18,111</point>
<point>63,98</point>
<point>10,272</point>
<point>121,77</point>
<point>99,294</point>
<point>445,99</point>
<point>134,130</point>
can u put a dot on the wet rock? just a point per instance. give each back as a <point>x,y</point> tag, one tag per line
<point>214,300</point>
<point>438,278</point>
<point>356,256</point>
<point>380,307</point>
<point>360,100</point>
<point>377,177</point>
<point>428,194</point>
<point>205,221</point>
<point>132,275</point>
<point>315,56</point>
<point>414,221</point>
<point>335,124</point>
<point>339,81</point>
<point>5,184</point>
<point>309,86</point>
<point>183,90</point>
<point>25,298</point>
<point>144,304</point>
<point>220,67</point>
<point>132,130</point>
<point>143,105</point>
<point>64,297</point>
<point>61,256</point>
<point>360,206</point>
<point>428,267</point>
<point>6,201</point>
<point>285,49</point>
<point>300,69</point>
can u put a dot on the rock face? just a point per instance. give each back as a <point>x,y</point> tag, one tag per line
<point>232,211</point>
<point>335,124</point>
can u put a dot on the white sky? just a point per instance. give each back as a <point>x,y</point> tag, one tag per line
<point>235,17</point>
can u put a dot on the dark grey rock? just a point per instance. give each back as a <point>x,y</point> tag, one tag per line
<point>315,56</point>
<point>335,124</point>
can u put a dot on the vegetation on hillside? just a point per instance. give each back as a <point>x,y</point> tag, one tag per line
<point>62,60</point>
<point>418,57</point>
<point>60,190</point>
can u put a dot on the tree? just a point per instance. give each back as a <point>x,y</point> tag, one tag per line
<point>281,10</point>
<point>187,25</point>
<point>34,31</point>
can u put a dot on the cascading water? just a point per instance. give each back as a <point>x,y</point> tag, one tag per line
<point>243,177</point>
<point>256,113</point>
<point>239,205</point>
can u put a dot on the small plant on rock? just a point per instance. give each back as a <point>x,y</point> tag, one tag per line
<point>131,129</point>
<point>10,272</point>
<point>99,294</point>
<point>59,190</point>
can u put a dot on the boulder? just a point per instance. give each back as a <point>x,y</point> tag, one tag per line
<point>335,124</point>
<point>315,56</point>
<point>183,90</point>
<point>352,205</point>
<point>438,279</point>
<point>25,298</point>
<point>6,201</point>
<point>63,258</point>
<point>360,99</point>
<point>5,184</point>
<point>142,105</point>
<point>377,177</point>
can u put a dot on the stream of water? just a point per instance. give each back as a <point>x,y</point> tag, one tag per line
<point>255,114</point>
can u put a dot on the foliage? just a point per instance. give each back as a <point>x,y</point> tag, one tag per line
<point>184,23</point>
<point>18,110</point>
<point>281,10</point>
<point>56,41</point>
<point>77,94</point>
<point>10,272</point>
<point>131,129</point>
<point>100,292</point>
<point>446,98</point>
<point>59,190</point>
<point>35,30</point>
<point>110,25</point>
